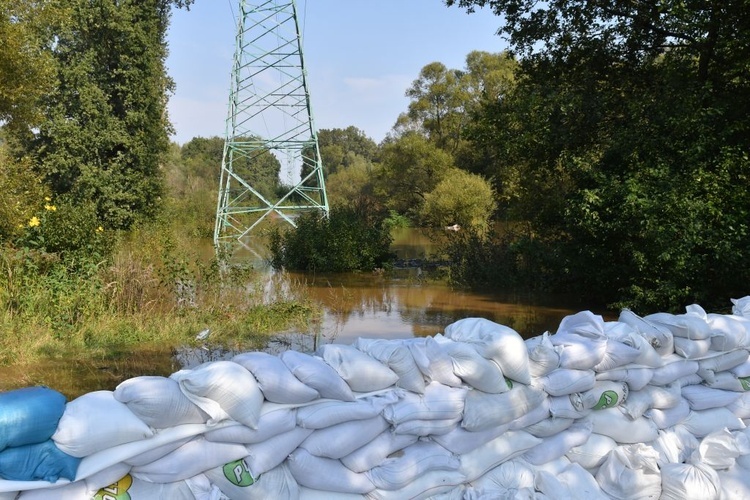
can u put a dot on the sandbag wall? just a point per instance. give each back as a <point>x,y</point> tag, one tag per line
<point>643,407</point>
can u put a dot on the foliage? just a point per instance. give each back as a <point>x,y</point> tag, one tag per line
<point>352,238</point>
<point>343,148</point>
<point>351,184</point>
<point>23,196</point>
<point>460,198</point>
<point>411,166</point>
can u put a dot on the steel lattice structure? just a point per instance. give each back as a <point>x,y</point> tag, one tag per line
<point>269,112</point>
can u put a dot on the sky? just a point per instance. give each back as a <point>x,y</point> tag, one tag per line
<point>360,57</point>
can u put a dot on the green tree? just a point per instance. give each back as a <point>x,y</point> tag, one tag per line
<point>106,128</point>
<point>460,198</point>
<point>411,166</point>
<point>350,185</point>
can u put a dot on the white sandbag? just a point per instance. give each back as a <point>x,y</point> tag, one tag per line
<point>664,396</point>
<point>328,413</point>
<point>275,380</point>
<point>159,402</point>
<point>735,483</point>
<point>409,464</point>
<point>704,422</point>
<point>133,487</point>
<point>707,368</point>
<point>69,491</point>
<point>342,439</point>
<point>262,457</point>
<point>153,454</point>
<point>556,446</point>
<point>397,356</point>
<point>476,463</point>
<point>106,476</point>
<point>674,445</point>
<point>742,370</point>
<point>570,406</point>
<point>425,428</point>
<point>728,381</point>
<point>605,394</point>
<point>312,494</point>
<point>543,358</point>
<point>718,450</point>
<point>593,452</point>
<point>430,485</point>
<point>670,416</point>
<point>693,379</point>
<point>689,482</point>
<point>482,410</point>
<point>190,459</point>
<point>512,475</point>
<point>316,373</point>
<point>578,352</point>
<point>96,421</point>
<point>535,415</point>
<point>573,483</point>
<point>224,390</point>
<point>326,474</point>
<point>497,342</point>
<point>614,423</point>
<point>701,397</point>
<point>584,324</point>
<point>741,307</point>
<point>437,403</point>
<point>432,361</point>
<point>631,472</point>
<point>361,372</point>
<point>270,424</point>
<point>373,453</point>
<point>638,403</point>
<point>660,338</point>
<point>727,332</point>
<point>460,441</point>
<point>564,381</point>
<point>616,354</point>
<point>675,368</point>
<point>636,378</point>
<point>741,407</point>
<point>549,426</point>
<point>688,326</point>
<point>691,349</point>
<point>202,488</point>
<point>236,482</point>
<point>476,371</point>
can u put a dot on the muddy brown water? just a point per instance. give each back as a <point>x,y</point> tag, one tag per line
<point>405,303</point>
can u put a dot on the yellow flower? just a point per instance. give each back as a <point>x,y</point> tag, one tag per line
<point>99,229</point>
<point>34,221</point>
<point>47,198</point>
<point>51,208</point>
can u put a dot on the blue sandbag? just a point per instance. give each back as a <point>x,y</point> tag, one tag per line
<point>29,415</point>
<point>37,462</point>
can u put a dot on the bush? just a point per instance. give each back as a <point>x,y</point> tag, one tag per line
<point>352,238</point>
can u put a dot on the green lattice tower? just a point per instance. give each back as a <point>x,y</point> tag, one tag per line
<point>269,112</point>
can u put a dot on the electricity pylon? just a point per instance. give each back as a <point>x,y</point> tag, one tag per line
<point>269,114</point>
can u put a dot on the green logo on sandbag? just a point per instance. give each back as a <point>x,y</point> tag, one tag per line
<point>238,473</point>
<point>508,382</point>
<point>116,491</point>
<point>745,381</point>
<point>608,399</point>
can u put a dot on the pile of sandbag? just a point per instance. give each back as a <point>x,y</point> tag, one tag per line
<point>642,407</point>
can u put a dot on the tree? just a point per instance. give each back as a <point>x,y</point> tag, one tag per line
<point>460,198</point>
<point>106,128</point>
<point>350,185</point>
<point>411,166</point>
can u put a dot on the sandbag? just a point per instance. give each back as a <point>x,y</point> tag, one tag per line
<point>688,326</point>
<point>501,481</point>
<point>564,381</point>
<point>373,453</point>
<point>570,406</point>
<point>536,414</point>
<point>342,439</point>
<point>438,402</point>
<point>691,349</point>
<point>37,462</point>
<point>556,446</point>
<point>613,423</point>
<point>409,464</point>
<point>317,374</point>
<point>361,372</point>
<point>276,381</point>
<point>153,454</point>
<point>326,474</point>
<point>262,457</point>
<point>476,463</point>
<point>670,416</point>
<point>270,424</point>
<point>96,421</point>
<point>631,472</point>
<point>432,361</point>
<point>549,426</point>
<point>430,485</point>
<point>543,358</point>
<point>616,354</point>
<point>131,487</point>
<point>29,415</point>
<point>674,368</point>
<point>674,445</point>
<point>190,459</point>
<point>398,358</point>
<point>701,397</point>
<point>497,342</point>
<point>703,422</point>
<point>605,394</point>
<point>592,453</point>
<point>425,428</point>
<point>328,413</point>
<point>741,307</point>
<point>707,368</point>
<point>474,370</point>
<point>460,441</point>
<point>636,378</point>
<point>728,332</point>
<point>482,410</point>
<point>159,402</point>
<point>236,482</point>
<point>689,482</point>
<point>660,338</point>
<point>224,390</point>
